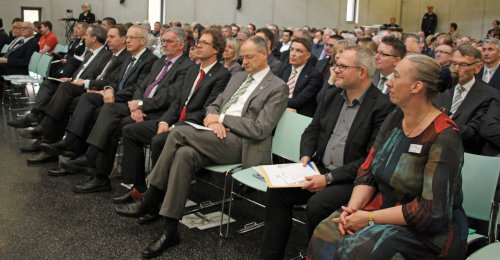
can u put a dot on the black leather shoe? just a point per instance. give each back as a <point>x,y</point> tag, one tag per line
<point>35,133</point>
<point>157,247</point>
<point>41,157</point>
<point>132,210</point>
<point>23,122</point>
<point>31,147</point>
<point>148,218</point>
<point>57,148</point>
<point>56,172</point>
<point>122,199</point>
<point>81,164</point>
<point>92,185</point>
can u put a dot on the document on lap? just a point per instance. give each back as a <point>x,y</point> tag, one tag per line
<point>287,175</point>
<point>54,79</point>
<point>199,127</point>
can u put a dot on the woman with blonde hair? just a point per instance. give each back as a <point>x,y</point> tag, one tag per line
<point>231,55</point>
<point>407,197</point>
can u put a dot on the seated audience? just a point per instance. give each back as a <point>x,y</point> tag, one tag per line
<point>468,101</point>
<point>491,56</point>
<point>357,109</point>
<point>4,37</point>
<point>286,40</point>
<point>48,41</point>
<point>443,54</point>
<point>398,207</point>
<point>389,53</point>
<point>231,55</point>
<point>16,60</point>
<point>268,36</point>
<point>17,36</point>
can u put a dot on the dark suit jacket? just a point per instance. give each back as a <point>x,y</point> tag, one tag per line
<point>96,66</point>
<point>306,88</point>
<point>318,50</point>
<point>168,87</point>
<point>372,112</point>
<point>259,116</point>
<point>112,74</point>
<point>211,85</point>
<point>322,64</point>
<point>490,128</point>
<point>18,60</point>
<point>494,80</point>
<point>4,38</point>
<point>139,74</point>
<point>469,113</point>
<point>274,64</point>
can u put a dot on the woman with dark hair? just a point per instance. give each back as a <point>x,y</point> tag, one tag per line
<point>407,197</point>
<point>86,16</point>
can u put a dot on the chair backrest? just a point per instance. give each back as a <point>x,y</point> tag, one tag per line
<point>61,48</point>
<point>35,58</point>
<point>4,48</point>
<point>479,183</point>
<point>286,140</point>
<point>44,65</point>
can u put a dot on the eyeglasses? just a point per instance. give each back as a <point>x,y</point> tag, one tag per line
<point>443,52</point>
<point>462,65</point>
<point>385,54</point>
<point>25,28</point>
<point>330,45</point>
<point>132,37</point>
<point>168,41</point>
<point>205,43</point>
<point>345,67</point>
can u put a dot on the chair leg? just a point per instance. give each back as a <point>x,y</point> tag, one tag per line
<point>228,175</point>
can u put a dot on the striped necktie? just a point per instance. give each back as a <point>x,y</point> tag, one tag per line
<point>291,83</point>
<point>241,90</point>
<point>486,75</point>
<point>457,99</point>
<point>127,72</point>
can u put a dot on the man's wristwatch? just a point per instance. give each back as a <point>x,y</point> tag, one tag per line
<point>371,222</point>
<point>140,103</point>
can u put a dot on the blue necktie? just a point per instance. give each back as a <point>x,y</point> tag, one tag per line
<point>127,73</point>
<point>19,43</point>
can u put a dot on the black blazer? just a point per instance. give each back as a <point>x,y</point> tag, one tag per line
<point>490,128</point>
<point>18,60</point>
<point>139,74</point>
<point>494,80</point>
<point>96,66</point>
<point>469,113</point>
<point>211,85</point>
<point>372,112</point>
<point>307,87</point>
<point>274,64</point>
<point>168,87</point>
<point>112,74</point>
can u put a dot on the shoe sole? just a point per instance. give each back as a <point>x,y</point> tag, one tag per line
<point>76,169</point>
<point>29,136</point>
<point>49,150</point>
<point>47,160</point>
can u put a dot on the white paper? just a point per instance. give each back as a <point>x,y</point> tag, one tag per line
<point>199,127</point>
<point>288,174</point>
<point>201,221</point>
<point>190,203</point>
<point>55,79</point>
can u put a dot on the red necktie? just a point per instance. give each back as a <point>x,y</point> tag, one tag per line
<point>183,113</point>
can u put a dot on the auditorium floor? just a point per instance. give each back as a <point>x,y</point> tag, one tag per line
<point>41,218</point>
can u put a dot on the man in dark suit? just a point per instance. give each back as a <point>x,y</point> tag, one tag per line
<point>95,60</point>
<point>200,88</point>
<point>268,36</point>
<point>4,37</point>
<point>468,101</point>
<point>491,56</point>
<point>66,99</point>
<point>16,60</point>
<point>150,100</point>
<point>303,80</point>
<point>390,52</point>
<point>490,129</point>
<point>298,33</point>
<point>337,140</point>
<point>323,65</point>
<point>241,118</point>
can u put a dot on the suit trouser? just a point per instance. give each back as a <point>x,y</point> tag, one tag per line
<point>60,108</point>
<point>279,206</point>
<point>106,133</point>
<point>135,137</point>
<point>44,95</point>
<point>186,151</point>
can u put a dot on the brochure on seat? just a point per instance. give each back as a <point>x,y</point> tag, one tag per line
<point>287,175</point>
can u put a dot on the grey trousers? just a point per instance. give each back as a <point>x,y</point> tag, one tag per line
<point>187,150</point>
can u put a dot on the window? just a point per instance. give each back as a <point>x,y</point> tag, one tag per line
<point>31,14</point>
<point>352,11</point>
<point>155,11</point>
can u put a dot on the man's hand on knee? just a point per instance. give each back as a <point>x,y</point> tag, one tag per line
<point>219,129</point>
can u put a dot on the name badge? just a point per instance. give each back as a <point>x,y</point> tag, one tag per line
<point>415,148</point>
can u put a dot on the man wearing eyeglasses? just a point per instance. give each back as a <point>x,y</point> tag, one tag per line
<point>442,54</point>
<point>468,101</point>
<point>16,60</point>
<point>337,140</point>
<point>389,53</point>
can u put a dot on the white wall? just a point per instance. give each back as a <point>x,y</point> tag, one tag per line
<point>52,10</point>
<point>473,16</point>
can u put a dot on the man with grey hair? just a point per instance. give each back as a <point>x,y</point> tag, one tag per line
<point>491,57</point>
<point>467,102</point>
<point>152,41</point>
<point>338,149</point>
<point>16,60</point>
<point>242,119</point>
<point>321,53</point>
